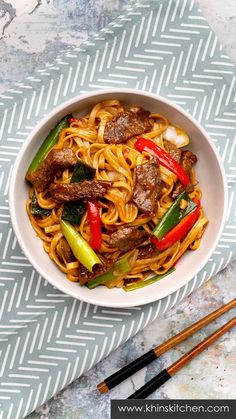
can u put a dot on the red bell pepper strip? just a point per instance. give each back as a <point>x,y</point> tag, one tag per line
<point>71,120</point>
<point>142,144</point>
<point>179,231</point>
<point>95,225</point>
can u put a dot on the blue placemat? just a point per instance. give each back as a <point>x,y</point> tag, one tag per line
<point>47,339</point>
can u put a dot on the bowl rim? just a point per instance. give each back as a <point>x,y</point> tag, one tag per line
<point>61,287</point>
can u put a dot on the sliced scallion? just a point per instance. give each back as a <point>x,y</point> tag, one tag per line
<point>145,283</point>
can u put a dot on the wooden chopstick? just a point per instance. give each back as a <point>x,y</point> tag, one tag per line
<point>121,375</point>
<point>166,374</point>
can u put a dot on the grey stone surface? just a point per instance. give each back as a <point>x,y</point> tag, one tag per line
<point>33,32</point>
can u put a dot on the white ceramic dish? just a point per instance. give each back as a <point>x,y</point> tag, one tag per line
<point>210,174</point>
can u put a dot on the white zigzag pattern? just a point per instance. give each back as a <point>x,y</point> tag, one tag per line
<point>168,49</point>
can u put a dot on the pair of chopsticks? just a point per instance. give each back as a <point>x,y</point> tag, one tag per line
<point>156,352</point>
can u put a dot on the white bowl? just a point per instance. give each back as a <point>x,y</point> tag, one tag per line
<point>209,172</point>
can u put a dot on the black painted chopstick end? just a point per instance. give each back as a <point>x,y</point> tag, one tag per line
<point>127,371</point>
<point>151,386</point>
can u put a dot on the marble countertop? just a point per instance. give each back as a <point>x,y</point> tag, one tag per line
<point>33,32</point>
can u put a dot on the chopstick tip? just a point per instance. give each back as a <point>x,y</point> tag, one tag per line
<point>102,387</point>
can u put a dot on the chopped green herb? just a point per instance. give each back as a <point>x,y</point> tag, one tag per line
<point>35,209</point>
<point>74,211</point>
<point>81,172</point>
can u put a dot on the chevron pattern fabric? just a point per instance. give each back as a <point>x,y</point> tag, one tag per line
<point>48,339</point>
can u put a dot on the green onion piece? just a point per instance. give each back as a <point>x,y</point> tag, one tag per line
<point>74,211</point>
<point>147,282</point>
<point>121,267</point>
<point>80,248</point>
<point>35,209</point>
<point>173,215</point>
<point>48,143</point>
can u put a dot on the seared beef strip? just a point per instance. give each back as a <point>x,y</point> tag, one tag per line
<point>178,189</point>
<point>61,192</point>
<point>126,125</point>
<point>148,251</point>
<point>188,159</point>
<point>147,187</point>
<point>174,152</point>
<point>127,238</point>
<point>85,275</point>
<point>55,160</point>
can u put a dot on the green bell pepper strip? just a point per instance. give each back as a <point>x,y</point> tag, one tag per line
<point>80,248</point>
<point>147,282</point>
<point>121,267</point>
<point>48,143</point>
<point>74,211</point>
<point>173,215</point>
